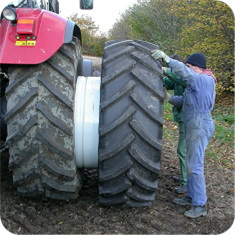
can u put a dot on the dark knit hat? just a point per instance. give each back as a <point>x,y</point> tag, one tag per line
<point>197,59</point>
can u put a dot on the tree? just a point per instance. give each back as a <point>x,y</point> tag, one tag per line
<point>98,45</point>
<point>188,26</point>
<point>209,29</point>
<point>121,30</point>
<point>154,21</point>
<point>89,33</point>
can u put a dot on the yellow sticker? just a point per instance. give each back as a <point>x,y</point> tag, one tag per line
<point>26,43</point>
<point>31,43</point>
<point>20,43</point>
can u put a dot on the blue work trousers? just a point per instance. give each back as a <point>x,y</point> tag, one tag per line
<point>199,129</point>
<point>181,152</point>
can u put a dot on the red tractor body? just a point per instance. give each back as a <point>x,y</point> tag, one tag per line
<point>31,33</point>
<point>36,36</point>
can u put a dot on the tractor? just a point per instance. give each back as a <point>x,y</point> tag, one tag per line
<point>61,120</point>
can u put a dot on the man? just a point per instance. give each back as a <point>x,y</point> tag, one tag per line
<point>197,103</point>
<point>173,82</point>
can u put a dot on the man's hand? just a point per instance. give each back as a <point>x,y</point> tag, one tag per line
<point>164,70</point>
<point>167,97</point>
<point>157,54</point>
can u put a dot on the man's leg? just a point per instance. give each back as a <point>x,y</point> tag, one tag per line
<point>197,141</point>
<point>196,190</point>
<point>181,152</point>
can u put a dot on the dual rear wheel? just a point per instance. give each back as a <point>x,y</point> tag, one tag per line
<point>40,121</point>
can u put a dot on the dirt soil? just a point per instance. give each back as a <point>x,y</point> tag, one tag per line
<point>85,215</point>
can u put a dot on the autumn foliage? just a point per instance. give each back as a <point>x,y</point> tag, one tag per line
<point>185,27</point>
<point>92,39</point>
<point>176,26</point>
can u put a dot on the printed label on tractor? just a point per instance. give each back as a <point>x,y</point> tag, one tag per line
<point>31,43</point>
<point>25,43</point>
<point>20,43</point>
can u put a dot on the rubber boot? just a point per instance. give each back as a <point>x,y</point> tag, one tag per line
<point>195,212</point>
<point>185,201</point>
<point>177,179</point>
<point>181,189</point>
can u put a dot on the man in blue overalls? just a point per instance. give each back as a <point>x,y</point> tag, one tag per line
<point>197,103</point>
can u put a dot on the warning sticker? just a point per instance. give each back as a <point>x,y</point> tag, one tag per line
<point>31,43</point>
<point>20,43</point>
<point>25,43</point>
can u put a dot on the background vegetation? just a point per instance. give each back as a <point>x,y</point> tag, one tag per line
<point>92,39</point>
<point>176,26</point>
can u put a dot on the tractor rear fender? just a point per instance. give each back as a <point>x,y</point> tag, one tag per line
<point>50,30</point>
<point>71,30</point>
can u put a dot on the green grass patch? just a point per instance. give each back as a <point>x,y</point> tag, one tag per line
<point>223,133</point>
<point>224,117</point>
<point>168,114</point>
<point>212,154</point>
<point>170,128</point>
<point>221,147</point>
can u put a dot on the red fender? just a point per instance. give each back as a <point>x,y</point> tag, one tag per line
<point>48,29</point>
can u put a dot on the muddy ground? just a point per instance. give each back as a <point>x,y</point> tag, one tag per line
<point>85,215</point>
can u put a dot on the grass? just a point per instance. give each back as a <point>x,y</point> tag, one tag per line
<point>222,144</point>
<point>221,147</point>
<point>169,127</point>
<point>168,115</point>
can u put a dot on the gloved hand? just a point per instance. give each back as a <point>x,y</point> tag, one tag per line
<point>164,70</point>
<point>157,54</point>
<point>167,97</point>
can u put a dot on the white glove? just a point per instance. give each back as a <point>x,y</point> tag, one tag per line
<point>164,70</point>
<point>157,54</point>
<point>167,97</point>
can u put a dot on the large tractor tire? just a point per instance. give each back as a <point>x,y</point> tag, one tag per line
<point>3,103</point>
<point>40,104</point>
<point>131,121</point>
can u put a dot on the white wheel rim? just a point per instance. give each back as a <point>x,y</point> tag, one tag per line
<point>86,121</point>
